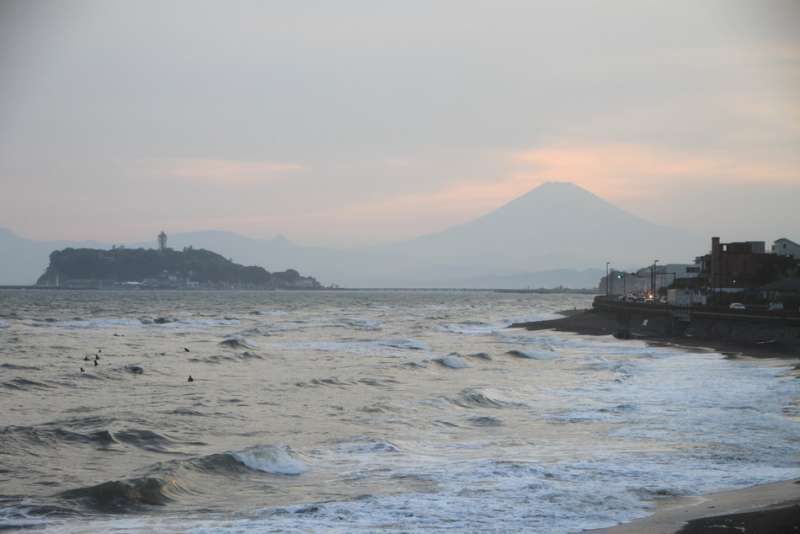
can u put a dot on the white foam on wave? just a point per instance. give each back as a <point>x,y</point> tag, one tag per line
<point>687,424</point>
<point>127,322</point>
<point>366,445</point>
<point>534,354</point>
<point>682,407</point>
<point>471,328</point>
<point>236,341</point>
<point>96,323</point>
<point>405,344</point>
<point>382,347</point>
<point>203,323</point>
<point>273,459</point>
<point>453,361</point>
<point>360,324</point>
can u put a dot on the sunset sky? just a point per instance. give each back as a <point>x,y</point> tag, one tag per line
<point>356,122</point>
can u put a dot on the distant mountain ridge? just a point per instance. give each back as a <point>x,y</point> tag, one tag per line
<point>556,227</point>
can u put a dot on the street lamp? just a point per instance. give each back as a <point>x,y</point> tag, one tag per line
<point>653,279</point>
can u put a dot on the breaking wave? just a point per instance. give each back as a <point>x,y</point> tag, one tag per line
<point>484,398</point>
<point>452,361</point>
<point>236,342</point>
<point>406,344</point>
<point>111,322</point>
<point>16,367</point>
<point>533,354</point>
<point>25,384</point>
<point>273,459</point>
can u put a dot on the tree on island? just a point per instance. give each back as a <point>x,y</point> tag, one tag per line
<point>196,266</point>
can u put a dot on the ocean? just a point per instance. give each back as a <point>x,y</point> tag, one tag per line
<point>363,411</point>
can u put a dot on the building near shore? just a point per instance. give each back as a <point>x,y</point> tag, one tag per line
<point>786,247</point>
<point>686,297</point>
<point>641,281</point>
<point>736,266</point>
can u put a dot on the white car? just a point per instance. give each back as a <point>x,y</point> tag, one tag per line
<point>737,306</point>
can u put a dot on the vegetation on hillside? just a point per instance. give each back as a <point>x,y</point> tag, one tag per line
<point>189,266</point>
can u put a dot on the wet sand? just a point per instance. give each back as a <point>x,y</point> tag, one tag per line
<point>764,509</point>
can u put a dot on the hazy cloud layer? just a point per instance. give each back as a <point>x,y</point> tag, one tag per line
<point>364,122</point>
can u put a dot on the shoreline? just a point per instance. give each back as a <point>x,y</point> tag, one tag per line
<point>589,322</point>
<point>761,509</point>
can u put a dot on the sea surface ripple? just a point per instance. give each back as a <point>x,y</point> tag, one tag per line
<point>356,410</point>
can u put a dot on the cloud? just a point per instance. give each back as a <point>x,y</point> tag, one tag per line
<point>226,172</point>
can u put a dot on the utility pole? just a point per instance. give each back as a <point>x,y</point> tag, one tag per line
<point>653,278</point>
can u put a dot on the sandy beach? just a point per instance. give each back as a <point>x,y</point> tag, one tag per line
<point>764,509</point>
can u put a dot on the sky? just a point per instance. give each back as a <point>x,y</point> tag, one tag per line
<point>362,122</point>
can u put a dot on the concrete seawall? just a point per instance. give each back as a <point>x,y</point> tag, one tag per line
<point>754,333</point>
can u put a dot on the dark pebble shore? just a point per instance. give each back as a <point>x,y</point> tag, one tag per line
<point>764,509</point>
<point>592,323</point>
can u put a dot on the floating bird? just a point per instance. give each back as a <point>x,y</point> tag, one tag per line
<point>86,358</point>
<point>83,370</point>
<point>95,363</point>
<point>99,351</point>
<point>96,357</point>
<point>185,349</point>
<point>190,379</point>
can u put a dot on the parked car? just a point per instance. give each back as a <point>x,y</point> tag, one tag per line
<point>737,306</point>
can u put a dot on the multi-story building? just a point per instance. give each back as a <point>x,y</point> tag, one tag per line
<point>742,265</point>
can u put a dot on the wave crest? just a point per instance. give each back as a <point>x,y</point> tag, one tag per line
<point>124,495</point>
<point>273,459</point>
